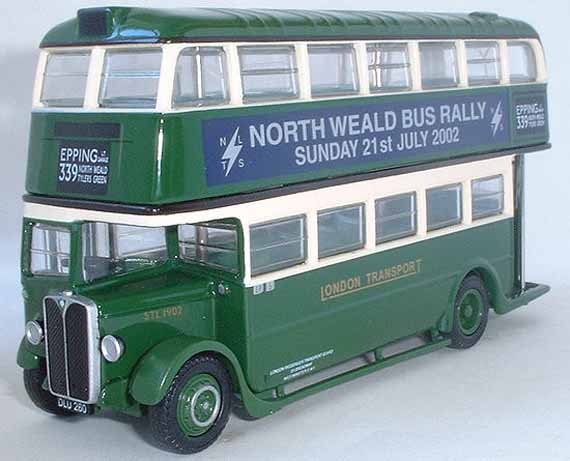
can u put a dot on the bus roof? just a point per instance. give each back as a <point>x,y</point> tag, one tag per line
<point>120,25</point>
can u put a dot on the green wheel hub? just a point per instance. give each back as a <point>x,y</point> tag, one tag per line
<point>471,308</point>
<point>199,405</point>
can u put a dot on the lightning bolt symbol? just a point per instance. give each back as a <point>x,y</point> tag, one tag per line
<point>497,118</point>
<point>232,151</point>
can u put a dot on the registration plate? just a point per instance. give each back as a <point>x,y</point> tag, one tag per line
<point>76,407</point>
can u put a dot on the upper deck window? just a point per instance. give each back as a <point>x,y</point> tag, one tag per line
<point>269,72</point>
<point>483,63</point>
<point>130,78</point>
<point>333,70</point>
<point>388,67</point>
<point>65,79</point>
<point>439,65</point>
<point>201,77</point>
<point>522,62</point>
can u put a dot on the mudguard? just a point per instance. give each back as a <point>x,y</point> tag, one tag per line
<point>492,282</point>
<point>500,302</point>
<point>26,359</point>
<point>156,371</point>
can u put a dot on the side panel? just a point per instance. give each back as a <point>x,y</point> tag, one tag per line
<point>149,158</point>
<point>314,320</point>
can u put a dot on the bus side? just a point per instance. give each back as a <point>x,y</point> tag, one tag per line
<point>294,323</point>
<point>319,318</point>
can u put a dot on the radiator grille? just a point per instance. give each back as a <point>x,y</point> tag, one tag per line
<point>56,350</point>
<point>71,348</point>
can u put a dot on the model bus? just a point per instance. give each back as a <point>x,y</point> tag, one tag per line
<point>232,208</point>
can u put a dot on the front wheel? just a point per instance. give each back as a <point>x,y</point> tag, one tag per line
<point>471,312</point>
<point>34,383</point>
<point>196,408</point>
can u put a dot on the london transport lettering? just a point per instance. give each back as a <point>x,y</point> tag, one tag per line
<point>287,143</point>
<point>372,279</point>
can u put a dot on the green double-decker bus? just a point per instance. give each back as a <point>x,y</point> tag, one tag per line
<point>239,208</point>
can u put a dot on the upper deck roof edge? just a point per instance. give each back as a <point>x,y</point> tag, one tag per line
<point>146,25</point>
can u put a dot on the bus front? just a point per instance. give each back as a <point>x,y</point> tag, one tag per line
<point>102,157</point>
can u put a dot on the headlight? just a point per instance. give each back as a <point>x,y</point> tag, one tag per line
<point>112,348</point>
<point>34,333</point>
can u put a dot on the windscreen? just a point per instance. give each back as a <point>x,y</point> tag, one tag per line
<point>113,249</point>
<point>50,250</point>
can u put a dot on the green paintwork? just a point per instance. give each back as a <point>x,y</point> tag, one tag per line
<point>116,395</point>
<point>530,292</point>
<point>283,331</point>
<point>198,406</point>
<point>471,308</point>
<point>26,359</point>
<point>137,177</point>
<point>159,366</point>
<point>143,25</point>
<point>133,170</point>
<point>257,334</point>
<point>266,340</point>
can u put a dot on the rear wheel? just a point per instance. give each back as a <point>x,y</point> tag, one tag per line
<point>196,408</point>
<point>42,398</point>
<point>471,313</point>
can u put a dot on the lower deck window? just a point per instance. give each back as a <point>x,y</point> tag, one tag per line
<point>50,250</point>
<point>488,196</point>
<point>444,206</point>
<point>341,230</point>
<point>212,244</point>
<point>278,244</point>
<point>395,217</point>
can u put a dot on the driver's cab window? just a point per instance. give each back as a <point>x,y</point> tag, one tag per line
<point>212,244</point>
<point>114,248</point>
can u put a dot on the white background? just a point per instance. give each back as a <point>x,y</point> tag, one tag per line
<point>506,399</point>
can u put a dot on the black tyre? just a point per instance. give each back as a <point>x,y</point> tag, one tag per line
<point>42,398</point>
<point>196,408</point>
<point>471,313</point>
<point>240,411</point>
